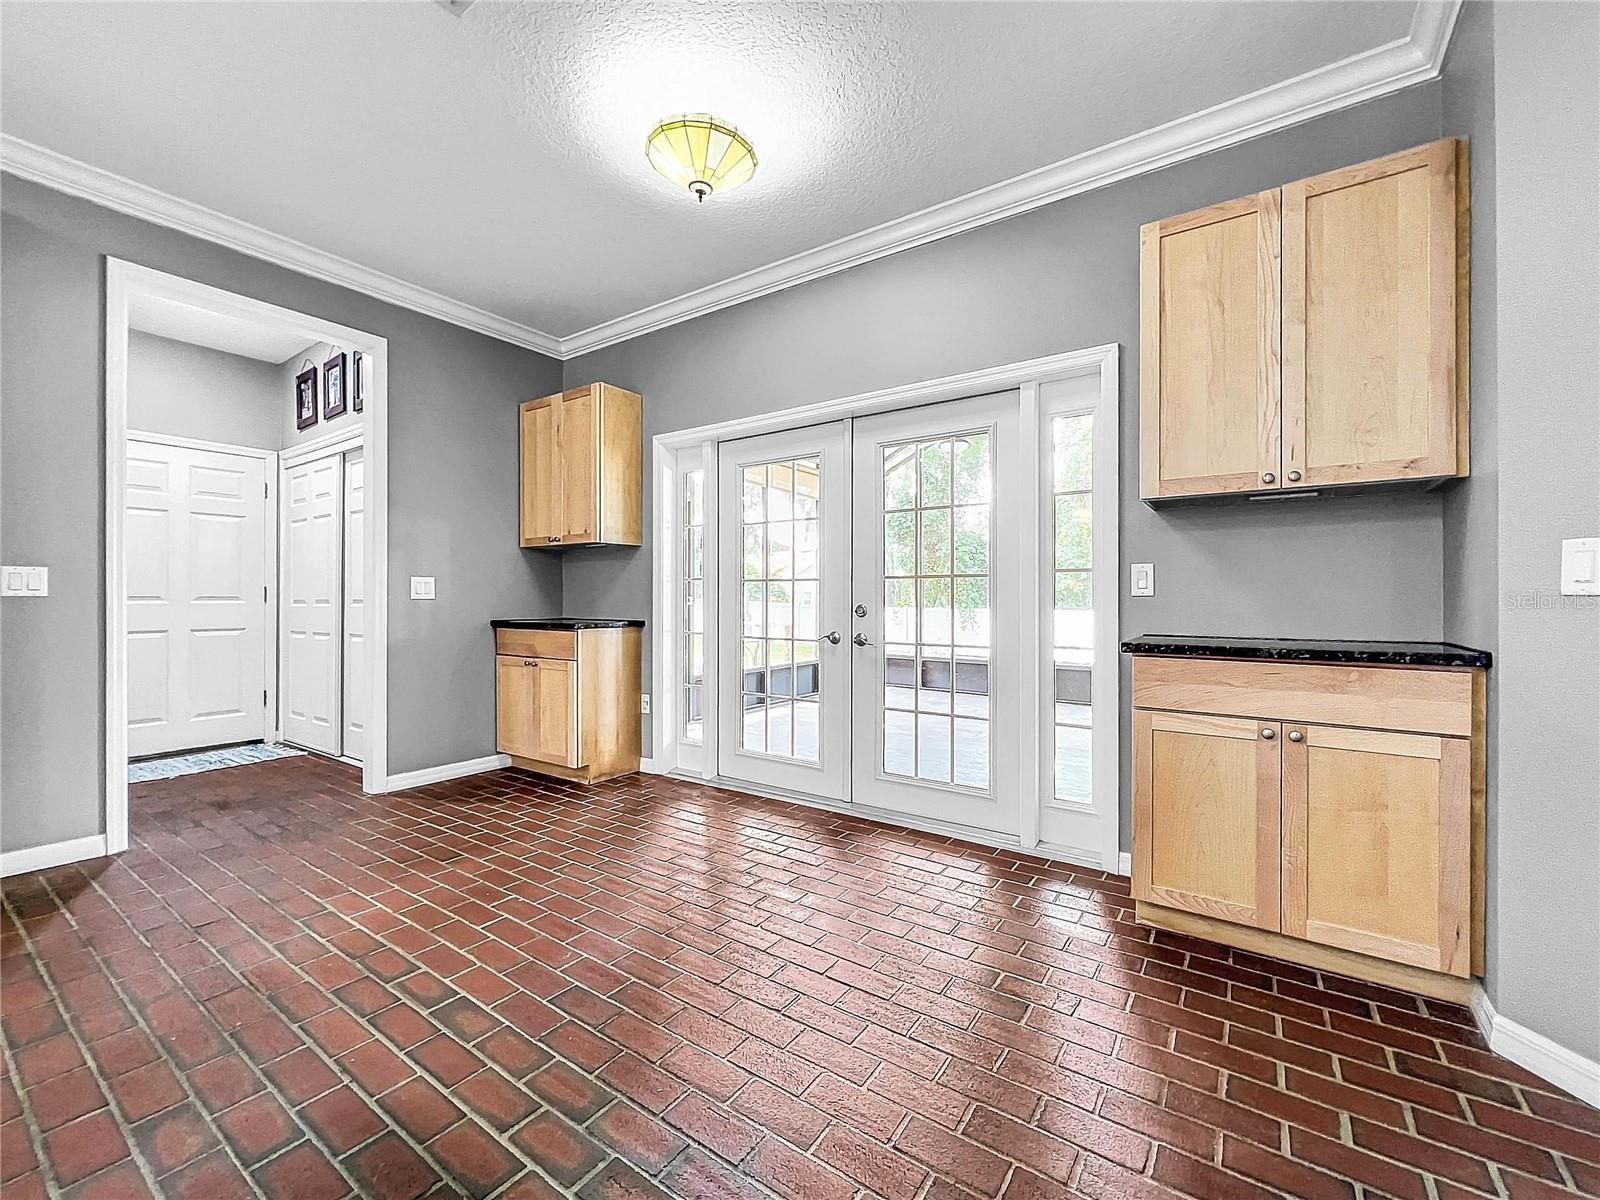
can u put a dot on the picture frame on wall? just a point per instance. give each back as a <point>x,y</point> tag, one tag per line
<point>358,381</point>
<point>305,398</point>
<point>334,383</point>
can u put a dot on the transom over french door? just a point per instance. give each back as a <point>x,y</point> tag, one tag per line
<point>870,612</point>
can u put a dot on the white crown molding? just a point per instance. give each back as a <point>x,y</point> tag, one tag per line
<point>1415,58</point>
<point>1550,1061</point>
<point>28,161</point>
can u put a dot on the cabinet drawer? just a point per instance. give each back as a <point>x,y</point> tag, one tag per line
<point>537,643</point>
<point>1405,698</point>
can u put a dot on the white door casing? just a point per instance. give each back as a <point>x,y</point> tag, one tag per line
<point>783,584</point>
<point>356,680</point>
<point>195,570</point>
<point>936,663</point>
<point>313,504</point>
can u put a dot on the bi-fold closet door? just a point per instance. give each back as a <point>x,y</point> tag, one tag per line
<point>322,655</point>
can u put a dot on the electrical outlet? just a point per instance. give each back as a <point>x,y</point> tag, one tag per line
<point>1142,581</point>
<point>644,703</point>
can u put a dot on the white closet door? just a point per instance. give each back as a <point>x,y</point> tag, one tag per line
<point>355,626</point>
<point>313,566</point>
<point>195,533</point>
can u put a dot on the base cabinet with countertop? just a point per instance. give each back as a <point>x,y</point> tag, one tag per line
<point>1317,802</point>
<point>567,696</point>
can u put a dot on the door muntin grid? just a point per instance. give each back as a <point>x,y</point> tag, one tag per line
<point>1072,617</point>
<point>780,672</point>
<point>937,661</point>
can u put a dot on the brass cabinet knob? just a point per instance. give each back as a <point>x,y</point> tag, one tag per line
<point>1294,476</point>
<point>1296,736</point>
<point>554,537</point>
<point>1268,734</point>
<point>1268,477</point>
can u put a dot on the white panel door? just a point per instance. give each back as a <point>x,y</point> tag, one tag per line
<point>355,624</point>
<point>938,522</point>
<point>783,586</point>
<point>313,499</point>
<point>196,555</point>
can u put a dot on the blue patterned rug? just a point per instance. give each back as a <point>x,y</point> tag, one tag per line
<point>207,760</point>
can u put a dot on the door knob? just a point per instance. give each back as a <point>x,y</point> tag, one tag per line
<point>860,639</point>
<point>1268,734</point>
<point>831,637</point>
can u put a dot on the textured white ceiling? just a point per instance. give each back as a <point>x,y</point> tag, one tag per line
<point>497,157</point>
<point>179,322</point>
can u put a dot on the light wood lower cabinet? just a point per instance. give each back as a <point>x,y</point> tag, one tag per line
<point>567,701</point>
<point>1205,822</point>
<point>1354,848</point>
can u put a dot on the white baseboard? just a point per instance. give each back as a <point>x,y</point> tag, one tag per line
<point>56,854</point>
<point>647,766</point>
<point>456,770</point>
<point>1550,1061</point>
<point>1124,863</point>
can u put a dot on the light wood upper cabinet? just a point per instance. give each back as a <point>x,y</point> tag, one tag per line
<point>582,468</point>
<point>1208,339</point>
<point>1206,815</point>
<point>1309,336</point>
<point>1377,844</point>
<point>1374,283</point>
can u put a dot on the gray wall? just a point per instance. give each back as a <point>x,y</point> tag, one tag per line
<point>1060,278</point>
<point>197,392</point>
<point>284,377</point>
<point>452,506</point>
<point>1544,969</point>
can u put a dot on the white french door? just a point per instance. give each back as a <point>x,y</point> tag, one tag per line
<point>196,553</point>
<point>783,698</point>
<point>938,677</point>
<point>312,568</point>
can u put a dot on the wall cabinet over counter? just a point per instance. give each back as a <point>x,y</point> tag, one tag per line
<point>1310,336</point>
<point>583,468</point>
<point>1326,813</point>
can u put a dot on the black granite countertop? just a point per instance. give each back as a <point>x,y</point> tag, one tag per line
<point>565,623</point>
<point>1409,654</point>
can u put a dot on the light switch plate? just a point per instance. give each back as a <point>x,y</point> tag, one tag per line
<point>1580,567</point>
<point>422,587</point>
<point>1142,579</point>
<point>24,581</point>
<point>644,703</point>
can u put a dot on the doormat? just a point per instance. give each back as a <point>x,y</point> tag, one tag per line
<point>207,760</point>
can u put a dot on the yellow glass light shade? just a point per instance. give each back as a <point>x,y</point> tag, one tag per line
<point>701,153</point>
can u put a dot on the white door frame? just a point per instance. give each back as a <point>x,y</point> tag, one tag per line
<point>1099,363</point>
<point>269,458</point>
<point>124,282</point>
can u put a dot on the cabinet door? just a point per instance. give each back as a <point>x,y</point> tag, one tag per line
<point>1371,375</point>
<point>555,709</point>
<point>1206,806</point>
<point>1377,844</point>
<point>542,519</point>
<point>1209,382</point>
<point>514,705</point>
<point>580,444</point>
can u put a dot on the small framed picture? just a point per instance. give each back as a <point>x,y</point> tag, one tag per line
<point>333,387</point>
<point>358,381</point>
<point>305,398</point>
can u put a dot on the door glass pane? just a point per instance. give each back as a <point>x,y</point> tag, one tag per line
<point>1072,652</point>
<point>694,610</point>
<point>936,597</point>
<point>781,673</point>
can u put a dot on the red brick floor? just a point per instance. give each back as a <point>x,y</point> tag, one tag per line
<point>507,987</point>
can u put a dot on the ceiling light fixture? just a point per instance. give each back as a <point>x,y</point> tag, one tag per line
<point>700,152</point>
